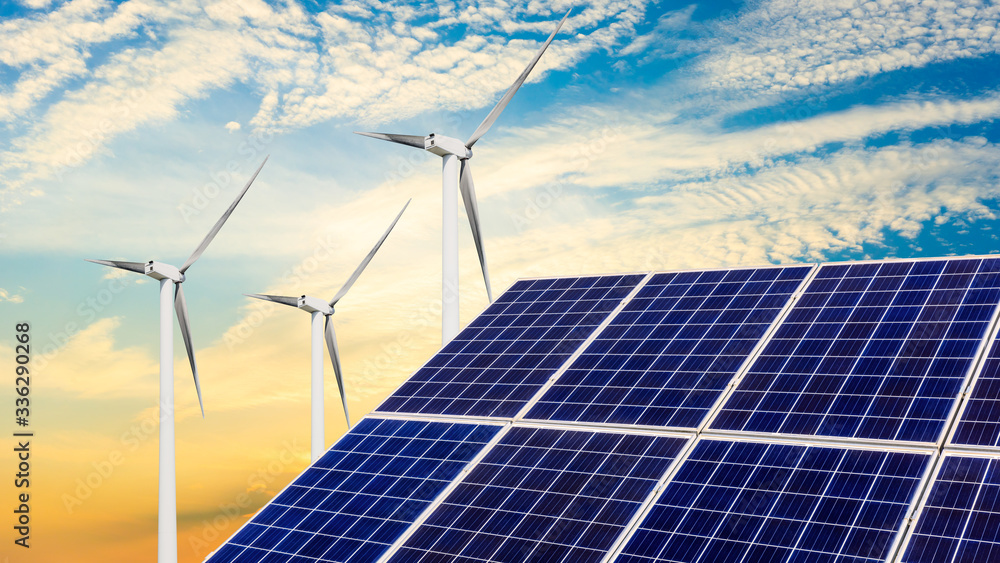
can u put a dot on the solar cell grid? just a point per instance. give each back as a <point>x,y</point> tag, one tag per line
<point>544,495</point>
<point>351,504</point>
<point>667,356</point>
<point>749,502</point>
<point>960,521</point>
<point>498,363</point>
<point>870,351</point>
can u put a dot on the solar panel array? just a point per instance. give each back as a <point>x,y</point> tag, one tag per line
<point>837,412</point>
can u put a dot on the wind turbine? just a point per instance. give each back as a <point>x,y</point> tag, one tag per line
<point>321,310</point>
<point>169,275</point>
<point>452,152</point>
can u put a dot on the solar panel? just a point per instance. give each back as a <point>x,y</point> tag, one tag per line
<point>960,520</point>
<point>544,494</point>
<point>870,351</point>
<point>749,501</point>
<point>980,421</point>
<point>498,363</point>
<point>357,499</point>
<point>807,393</point>
<point>665,359</point>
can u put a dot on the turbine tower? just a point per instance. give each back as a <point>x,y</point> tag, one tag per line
<point>455,157</point>
<point>169,275</point>
<point>320,309</point>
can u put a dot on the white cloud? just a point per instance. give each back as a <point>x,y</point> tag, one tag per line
<point>137,87</point>
<point>10,297</point>
<point>36,4</point>
<point>653,150</point>
<point>645,151</point>
<point>308,69</point>
<point>232,126</point>
<point>783,45</point>
<point>664,40</point>
<point>393,71</point>
<point>50,49</point>
<point>814,206</point>
<point>91,364</point>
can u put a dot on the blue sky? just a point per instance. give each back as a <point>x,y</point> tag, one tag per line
<point>651,136</point>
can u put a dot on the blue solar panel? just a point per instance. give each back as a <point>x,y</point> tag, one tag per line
<point>357,499</point>
<point>960,521</point>
<point>667,356</point>
<point>498,363</point>
<point>868,351</point>
<point>980,422</point>
<point>873,351</point>
<point>745,501</point>
<point>544,495</point>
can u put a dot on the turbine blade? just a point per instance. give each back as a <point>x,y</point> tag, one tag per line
<point>408,140</point>
<point>290,301</point>
<point>364,263</point>
<point>180,306</point>
<point>472,210</point>
<point>222,221</point>
<point>137,267</point>
<point>495,113</point>
<point>331,344</point>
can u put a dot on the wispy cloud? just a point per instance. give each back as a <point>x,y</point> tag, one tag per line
<point>92,364</point>
<point>9,297</point>
<point>51,48</point>
<point>655,149</point>
<point>36,4</point>
<point>338,64</point>
<point>783,45</point>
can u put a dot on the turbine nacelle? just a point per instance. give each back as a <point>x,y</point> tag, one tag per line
<point>162,271</point>
<point>444,146</point>
<point>314,305</point>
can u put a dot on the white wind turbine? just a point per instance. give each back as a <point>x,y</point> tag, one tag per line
<point>452,151</point>
<point>321,310</point>
<point>169,275</point>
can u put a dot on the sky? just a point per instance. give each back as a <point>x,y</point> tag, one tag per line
<point>651,136</point>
